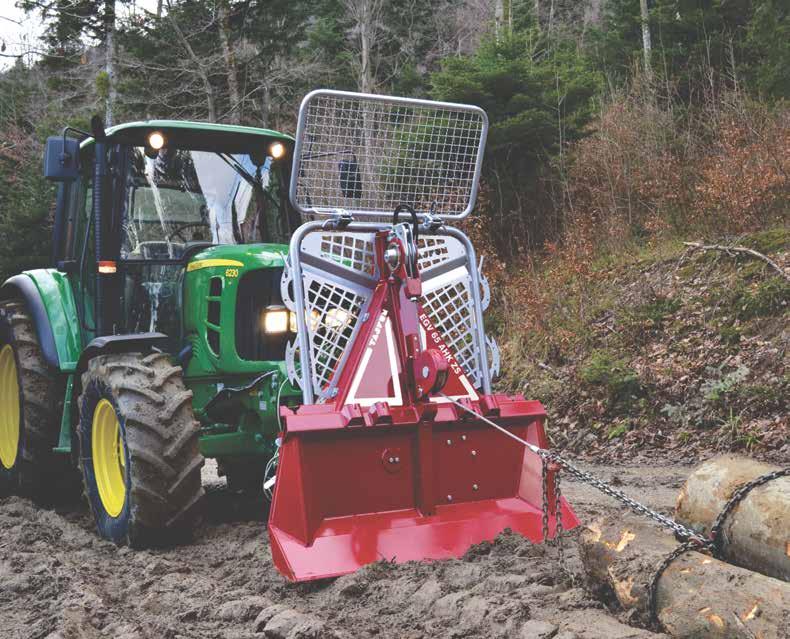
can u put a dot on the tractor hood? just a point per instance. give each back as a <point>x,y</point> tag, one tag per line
<point>228,292</point>
<point>239,256</point>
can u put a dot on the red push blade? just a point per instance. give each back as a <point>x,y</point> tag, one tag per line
<point>404,488</point>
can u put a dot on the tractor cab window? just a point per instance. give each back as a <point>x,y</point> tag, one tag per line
<point>179,197</point>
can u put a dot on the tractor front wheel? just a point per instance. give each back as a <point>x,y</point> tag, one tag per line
<point>139,449</point>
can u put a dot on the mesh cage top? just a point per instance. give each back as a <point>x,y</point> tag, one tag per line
<point>366,154</point>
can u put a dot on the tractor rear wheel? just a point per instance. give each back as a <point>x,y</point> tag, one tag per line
<point>31,400</point>
<point>139,449</point>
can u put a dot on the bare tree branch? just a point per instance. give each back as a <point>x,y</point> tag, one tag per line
<point>729,250</point>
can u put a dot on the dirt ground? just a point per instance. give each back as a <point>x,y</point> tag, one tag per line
<point>59,581</point>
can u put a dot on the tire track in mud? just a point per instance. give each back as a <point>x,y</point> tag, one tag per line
<point>59,581</point>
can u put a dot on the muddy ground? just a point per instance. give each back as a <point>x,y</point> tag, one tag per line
<point>59,581</point>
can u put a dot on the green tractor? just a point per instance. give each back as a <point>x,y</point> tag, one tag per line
<point>158,337</point>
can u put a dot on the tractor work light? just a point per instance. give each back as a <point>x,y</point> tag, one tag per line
<point>156,140</point>
<point>275,320</point>
<point>277,150</point>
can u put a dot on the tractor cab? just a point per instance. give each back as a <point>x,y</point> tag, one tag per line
<point>167,192</point>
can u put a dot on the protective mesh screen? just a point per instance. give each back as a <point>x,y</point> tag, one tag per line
<point>352,250</point>
<point>450,309</point>
<point>367,155</point>
<point>431,251</point>
<point>332,315</point>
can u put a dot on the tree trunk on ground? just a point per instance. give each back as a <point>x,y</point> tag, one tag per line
<point>234,114</point>
<point>756,534</point>
<point>697,596</point>
<point>647,46</point>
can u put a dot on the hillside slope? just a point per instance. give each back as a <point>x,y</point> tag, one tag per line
<point>674,352</point>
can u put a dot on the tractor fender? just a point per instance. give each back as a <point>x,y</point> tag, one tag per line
<point>114,344</point>
<point>50,299</point>
<point>22,286</point>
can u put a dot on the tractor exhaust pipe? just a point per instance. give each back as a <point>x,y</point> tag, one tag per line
<point>99,176</point>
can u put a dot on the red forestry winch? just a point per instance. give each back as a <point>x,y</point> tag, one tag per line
<point>378,463</point>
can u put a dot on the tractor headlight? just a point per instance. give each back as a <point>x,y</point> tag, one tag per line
<point>156,140</point>
<point>277,150</point>
<point>275,320</point>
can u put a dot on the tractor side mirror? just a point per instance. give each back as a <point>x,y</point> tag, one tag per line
<point>350,179</point>
<point>61,159</point>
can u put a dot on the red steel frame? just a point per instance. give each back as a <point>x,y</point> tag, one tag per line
<point>409,476</point>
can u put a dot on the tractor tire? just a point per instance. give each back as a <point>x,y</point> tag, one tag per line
<point>139,457</point>
<point>31,404</point>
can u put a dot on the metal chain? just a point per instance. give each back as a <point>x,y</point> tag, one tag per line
<point>652,589</point>
<point>544,484</point>
<point>716,536</point>
<point>679,530</point>
<point>559,528</point>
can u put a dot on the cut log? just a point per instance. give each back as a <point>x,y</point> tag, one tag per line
<point>697,596</point>
<point>756,534</point>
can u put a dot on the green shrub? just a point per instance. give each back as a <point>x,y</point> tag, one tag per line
<point>614,375</point>
<point>770,298</point>
<point>715,388</point>
<point>770,241</point>
<point>657,310</point>
<point>730,335</point>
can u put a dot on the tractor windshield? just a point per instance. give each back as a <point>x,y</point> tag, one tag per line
<point>180,197</point>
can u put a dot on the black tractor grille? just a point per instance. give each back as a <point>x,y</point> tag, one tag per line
<point>258,290</point>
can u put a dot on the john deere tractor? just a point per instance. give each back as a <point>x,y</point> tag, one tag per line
<point>158,336</point>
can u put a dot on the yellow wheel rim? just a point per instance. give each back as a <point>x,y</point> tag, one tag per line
<point>9,408</point>
<point>109,458</point>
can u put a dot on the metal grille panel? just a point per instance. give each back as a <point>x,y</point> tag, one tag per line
<point>449,307</point>
<point>333,312</point>
<point>338,277</point>
<point>433,250</point>
<point>335,297</point>
<point>367,154</point>
<point>351,250</point>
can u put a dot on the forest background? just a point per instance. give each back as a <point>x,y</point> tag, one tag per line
<point>619,129</point>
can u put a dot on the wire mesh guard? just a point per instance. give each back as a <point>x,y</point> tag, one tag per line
<point>368,154</point>
<point>447,300</point>
<point>339,275</point>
